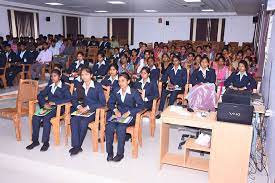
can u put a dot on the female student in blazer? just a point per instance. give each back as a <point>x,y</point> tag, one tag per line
<point>111,80</point>
<point>204,74</point>
<point>148,88</point>
<point>174,81</point>
<point>124,101</point>
<point>56,93</point>
<point>100,69</point>
<point>92,95</point>
<point>241,80</point>
<point>73,71</point>
<point>154,71</point>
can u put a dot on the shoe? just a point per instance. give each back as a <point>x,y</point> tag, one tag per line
<point>45,147</point>
<point>32,145</point>
<point>76,150</point>
<point>158,116</point>
<point>128,137</point>
<point>71,149</point>
<point>118,158</point>
<point>110,157</point>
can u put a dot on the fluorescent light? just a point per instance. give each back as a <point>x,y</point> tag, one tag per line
<point>116,2</point>
<point>207,10</point>
<point>101,11</point>
<point>151,11</point>
<point>192,1</point>
<point>54,4</point>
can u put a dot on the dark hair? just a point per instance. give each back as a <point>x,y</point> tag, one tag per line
<point>191,53</point>
<point>56,71</point>
<point>177,57</point>
<point>205,58</point>
<point>101,54</point>
<point>222,57</point>
<point>165,54</point>
<point>80,52</point>
<point>59,66</point>
<point>92,37</point>
<point>146,69</point>
<point>135,50</point>
<point>147,51</point>
<point>244,63</point>
<point>125,75</point>
<point>240,51</point>
<point>87,69</point>
<point>113,65</point>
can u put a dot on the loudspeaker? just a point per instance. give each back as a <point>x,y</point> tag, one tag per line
<point>48,19</point>
<point>167,22</point>
<point>255,19</point>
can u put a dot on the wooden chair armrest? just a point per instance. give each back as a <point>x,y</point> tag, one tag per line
<point>59,106</point>
<point>32,107</point>
<point>11,96</point>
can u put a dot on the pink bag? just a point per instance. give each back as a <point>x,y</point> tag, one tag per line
<point>202,97</point>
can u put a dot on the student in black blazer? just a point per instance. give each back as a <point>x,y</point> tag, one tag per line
<point>111,80</point>
<point>54,94</point>
<point>204,74</point>
<point>105,44</point>
<point>75,67</point>
<point>241,80</point>
<point>100,69</point>
<point>14,68</point>
<point>154,71</point>
<point>124,102</point>
<point>147,87</point>
<point>86,98</point>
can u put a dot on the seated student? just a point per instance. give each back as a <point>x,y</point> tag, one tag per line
<point>100,69</point>
<point>124,65</point>
<point>154,72</point>
<point>33,54</point>
<point>174,81</point>
<point>15,62</point>
<point>105,44</point>
<point>143,62</point>
<point>116,55</point>
<point>126,50</point>
<point>148,88</point>
<point>204,74</point>
<point>44,57</point>
<point>54,94</point>
<point>124,102</point>
<point>111,80</point>
<point>114,42</point>
<point>241,80</point>
<point>93,42</point>
<point>134,57</point>
<point>92,96</point>
<point>165,63</point>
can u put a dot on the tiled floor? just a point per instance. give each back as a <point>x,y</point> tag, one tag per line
<point>56,166</point>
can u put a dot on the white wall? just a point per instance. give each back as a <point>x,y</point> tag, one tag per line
<point>96,26</point>
<point>239,29</point>
<point>55,26</point>
<point>4,28</point>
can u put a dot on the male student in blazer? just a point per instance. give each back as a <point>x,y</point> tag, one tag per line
<point>175,79</point>
<point>105,44</point>
<point>13,68</point>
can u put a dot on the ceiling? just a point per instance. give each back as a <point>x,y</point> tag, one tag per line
<point>240,7</point>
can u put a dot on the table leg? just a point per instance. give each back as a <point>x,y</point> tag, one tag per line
<point>164,141</point>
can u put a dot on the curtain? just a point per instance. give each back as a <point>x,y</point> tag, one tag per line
<point>24,23</point>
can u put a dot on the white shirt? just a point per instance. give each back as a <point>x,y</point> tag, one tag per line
<point>144,83</point>
<point>78,63</point>
<point>102,63</point>
<point>112,80</point>
<point>54,50</point>
<point>242,74</point>
<point>22,54</point>
<point>92,84</point>
<point>45,56</point>
<point>122,97</point>
<point>154,67</point>
<point>203,71</point>
<point>176,70</point>
<point>141,65</point>
<point>54,87</point>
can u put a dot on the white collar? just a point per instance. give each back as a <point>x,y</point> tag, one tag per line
<point>154,67</point>
<point>59,85</point>
<point>128,90</point>
<point>102,63</point>
<point>201,69</point>
<point>179,68</point>
<point>147,81</point>
<point>80,62</point>
<point>110,78</point>
<point>92,84</point>
<point>23,52</point>
<point>244,73</point>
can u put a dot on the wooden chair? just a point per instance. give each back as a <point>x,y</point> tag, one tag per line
<point>46,67</point>
<point>27,91</point>
<point>152,117</point>
<point>92,53</point>
<point>25,71</point>
<point>3,76</point>
<point>55,121</point>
